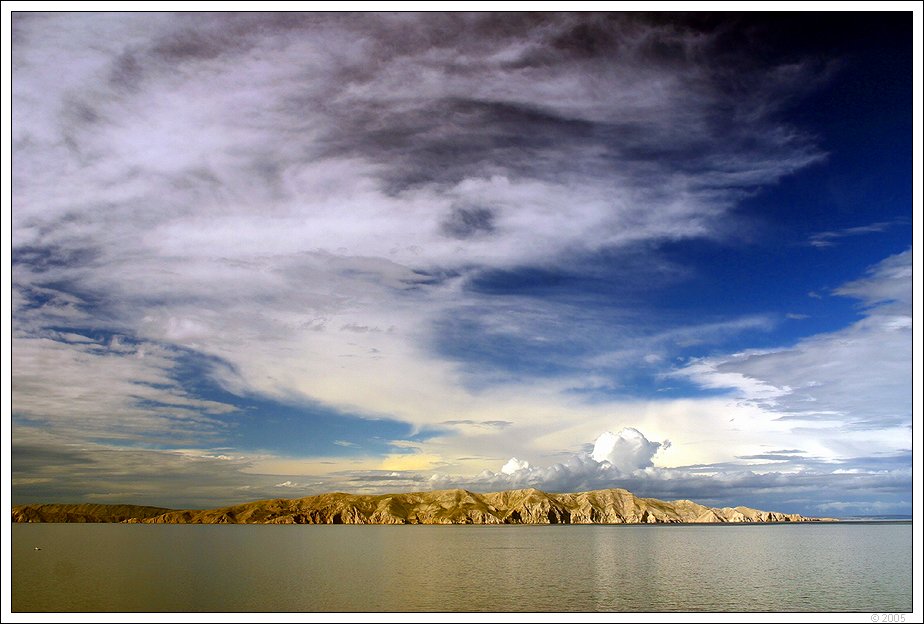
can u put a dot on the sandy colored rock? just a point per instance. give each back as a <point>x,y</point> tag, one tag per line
<point>526,506</point>
<point>85,513</point>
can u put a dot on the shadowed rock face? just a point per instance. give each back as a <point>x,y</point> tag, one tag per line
<point>530,506</point>
<point>84,513</point>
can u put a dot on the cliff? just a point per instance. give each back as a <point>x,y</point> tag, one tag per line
<point>529,506</point>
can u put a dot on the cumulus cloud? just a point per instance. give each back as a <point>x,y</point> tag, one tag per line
<point>514,465</point>
<point>783,480</point>
<point>193,479</point>
<point>627,450</point>
<point>614,455</point>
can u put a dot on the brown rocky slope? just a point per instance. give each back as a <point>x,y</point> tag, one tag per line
<point>84,513</point>
<point>528,506</point>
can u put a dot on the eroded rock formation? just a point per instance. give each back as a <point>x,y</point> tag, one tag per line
<point>528,506</point>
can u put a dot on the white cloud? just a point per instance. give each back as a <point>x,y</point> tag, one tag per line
<point>886,288</point>
<point>627,450</point>
<point>249,222</point>
<point>514,465</point>
<point>275,200</point>
<point>614,456</point>
<point>110,391</point>
<point>707,373</point>
<point>196,478</point>
<point>859,377</point>
<point>828,239</point>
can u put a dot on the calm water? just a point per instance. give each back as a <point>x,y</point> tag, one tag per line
<point>104,567</point>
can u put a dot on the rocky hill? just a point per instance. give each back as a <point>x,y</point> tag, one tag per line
<point>528,506</point>
<point>84,513</point>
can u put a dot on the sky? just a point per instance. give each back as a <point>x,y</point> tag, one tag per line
<point>261,255</point>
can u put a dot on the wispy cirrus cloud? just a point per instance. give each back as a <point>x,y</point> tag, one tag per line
<point>148,163</point>
<point>109,390</point>
<point>831,238</point>
<point>858,378</point>
<point>340,225</point>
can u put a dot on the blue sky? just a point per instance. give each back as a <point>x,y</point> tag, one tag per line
<point>260,255</point>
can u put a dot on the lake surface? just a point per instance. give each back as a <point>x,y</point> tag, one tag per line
<point>810,567</point>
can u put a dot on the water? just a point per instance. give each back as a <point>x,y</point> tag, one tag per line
<point>105,567</point>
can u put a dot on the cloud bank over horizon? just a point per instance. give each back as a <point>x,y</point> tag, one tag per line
<point>257,259</point>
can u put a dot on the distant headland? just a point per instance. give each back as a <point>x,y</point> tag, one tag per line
<point>526,506</point>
